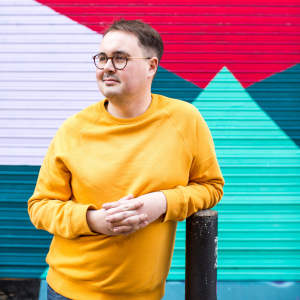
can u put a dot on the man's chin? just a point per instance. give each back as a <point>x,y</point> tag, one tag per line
<point>111,93</point>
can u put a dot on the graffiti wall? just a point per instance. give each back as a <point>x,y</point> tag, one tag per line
<point>238,62</point>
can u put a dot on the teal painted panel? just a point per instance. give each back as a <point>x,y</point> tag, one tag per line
<point>171,85</point>
<point>259,220</point>
<point>23,248</point>
<point>280,92</point>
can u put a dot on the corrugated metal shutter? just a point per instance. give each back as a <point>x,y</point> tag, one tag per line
<point>251,106</point>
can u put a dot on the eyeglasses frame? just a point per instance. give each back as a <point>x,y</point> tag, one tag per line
<point>112,60</point>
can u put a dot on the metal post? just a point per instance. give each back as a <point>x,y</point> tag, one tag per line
<point>201,255</point>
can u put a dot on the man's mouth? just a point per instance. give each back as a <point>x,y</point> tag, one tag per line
<point>110,80</point>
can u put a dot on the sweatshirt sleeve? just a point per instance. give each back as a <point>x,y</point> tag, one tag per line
<point>50,207</point>
<point>205,187</point>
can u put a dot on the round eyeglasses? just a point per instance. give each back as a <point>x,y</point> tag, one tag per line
<point>119,61</point>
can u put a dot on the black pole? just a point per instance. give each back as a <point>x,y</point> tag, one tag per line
<point>201,255</point>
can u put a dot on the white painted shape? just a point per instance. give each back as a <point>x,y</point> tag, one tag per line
<point>20,9</point>
<point>46,85</point>
<point>42,111</point>
<point>11,19</point>
<point>61,94</point>
<point>50,39</point>
<point>38,103</point>
<point>76,76</point>
<point>46,67</point>
<point>44,29</point>
<point>31,120</point>
<point>18,2</point>
<point>46,75</point>
<point>41,51</point>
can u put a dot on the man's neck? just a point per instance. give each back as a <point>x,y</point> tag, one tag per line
<point>130,110</point>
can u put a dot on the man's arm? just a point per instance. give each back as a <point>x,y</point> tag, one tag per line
<point>50,207</point>
<point>202,192</point>
<point>205,187</point>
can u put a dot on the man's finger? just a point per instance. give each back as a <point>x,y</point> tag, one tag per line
<point>116,203</point>
<point>125,207</point>
<point>110,205</point>
<point>121,229</point>
<point>129,229</point>
<point>128,217</point>
<point>137,227</point>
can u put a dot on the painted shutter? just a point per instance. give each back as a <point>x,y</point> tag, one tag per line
<point>237,62</point>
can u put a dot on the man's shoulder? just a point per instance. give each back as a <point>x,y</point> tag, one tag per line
<point>80,120</point>
<point>177,108</point>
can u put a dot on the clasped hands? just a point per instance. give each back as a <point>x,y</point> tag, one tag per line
<point>128,214</point>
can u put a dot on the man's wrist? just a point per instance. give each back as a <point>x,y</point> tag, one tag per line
<point>164,203</point>
<point>93,220</point>
<point>90,219</point>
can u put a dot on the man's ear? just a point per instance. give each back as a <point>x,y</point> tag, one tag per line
<point>153,66</point>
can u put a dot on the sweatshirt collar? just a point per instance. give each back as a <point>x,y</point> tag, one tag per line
<point>137,119</point>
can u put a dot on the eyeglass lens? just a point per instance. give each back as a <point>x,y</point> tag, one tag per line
<point>119,61</point>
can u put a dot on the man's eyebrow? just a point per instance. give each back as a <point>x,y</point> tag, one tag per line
<point>116,52</point>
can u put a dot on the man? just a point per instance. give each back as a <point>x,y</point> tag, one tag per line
<point>118,176</point>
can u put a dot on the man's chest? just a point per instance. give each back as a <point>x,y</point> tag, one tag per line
<point>137,161</point>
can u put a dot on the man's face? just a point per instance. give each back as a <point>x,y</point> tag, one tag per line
<point>130,81</point>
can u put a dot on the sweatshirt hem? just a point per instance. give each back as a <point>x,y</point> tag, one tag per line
<point>79,289</point>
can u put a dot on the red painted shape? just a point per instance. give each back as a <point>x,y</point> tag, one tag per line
<point>253,39</point>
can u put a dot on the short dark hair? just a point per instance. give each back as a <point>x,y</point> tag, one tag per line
<point>148,38</point>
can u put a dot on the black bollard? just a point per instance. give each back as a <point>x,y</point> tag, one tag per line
<point>201,255</point>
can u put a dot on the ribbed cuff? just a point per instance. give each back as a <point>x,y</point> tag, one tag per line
<point>176,205</point>
<point>78,221</point>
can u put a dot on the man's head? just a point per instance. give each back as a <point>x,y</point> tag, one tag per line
<point>134,39</point>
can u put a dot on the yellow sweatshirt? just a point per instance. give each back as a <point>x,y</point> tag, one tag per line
<point>96,158</point>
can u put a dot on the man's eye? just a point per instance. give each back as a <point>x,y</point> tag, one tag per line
<point>102,58</point>
<point>120,57</point>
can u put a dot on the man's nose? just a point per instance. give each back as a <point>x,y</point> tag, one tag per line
<point>109,66</point>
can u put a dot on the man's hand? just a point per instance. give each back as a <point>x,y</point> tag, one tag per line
<point>121,215</point>
<point>96,219</point>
